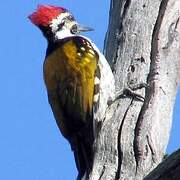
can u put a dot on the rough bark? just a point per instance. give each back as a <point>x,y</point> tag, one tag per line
<point>143,47</point>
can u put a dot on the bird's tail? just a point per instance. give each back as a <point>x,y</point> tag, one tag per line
<point>83,155</point>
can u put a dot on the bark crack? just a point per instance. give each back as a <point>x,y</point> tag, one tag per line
<point>120,153</point>
<point>172,33</point>
<point>103,170</point>
<point>151,147</point>
<point>152,81</point>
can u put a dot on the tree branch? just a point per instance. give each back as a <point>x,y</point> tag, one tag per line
<point>169,169</point>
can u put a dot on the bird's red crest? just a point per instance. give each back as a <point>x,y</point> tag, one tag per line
<point>45,14</point>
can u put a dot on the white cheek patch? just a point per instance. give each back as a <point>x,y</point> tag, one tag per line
<point>55,22</point>
<point>65,30</point>
<point>63,33</point>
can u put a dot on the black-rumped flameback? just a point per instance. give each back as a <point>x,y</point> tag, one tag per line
<point>78,79</point>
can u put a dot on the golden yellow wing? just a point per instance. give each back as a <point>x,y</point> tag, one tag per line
<point>69,71</point>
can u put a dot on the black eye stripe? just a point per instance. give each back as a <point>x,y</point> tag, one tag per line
<point>70,17</point>
<point>65,20</point>
<point>60,25</point>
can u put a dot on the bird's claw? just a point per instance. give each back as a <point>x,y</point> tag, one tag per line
<point>129,92</point>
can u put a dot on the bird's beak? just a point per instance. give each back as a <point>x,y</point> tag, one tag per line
<point>82,28</point>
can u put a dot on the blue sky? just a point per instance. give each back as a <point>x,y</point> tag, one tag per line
<point>31,147</point>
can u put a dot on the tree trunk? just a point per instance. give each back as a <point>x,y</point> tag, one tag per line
<point>143,47</point>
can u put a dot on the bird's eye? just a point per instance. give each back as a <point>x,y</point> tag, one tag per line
<point>61,25</point>
<point>74,29</point>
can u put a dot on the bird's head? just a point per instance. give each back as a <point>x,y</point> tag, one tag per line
<point>56,22</point>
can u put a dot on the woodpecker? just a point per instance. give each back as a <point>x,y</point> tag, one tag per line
<point>78,79</point>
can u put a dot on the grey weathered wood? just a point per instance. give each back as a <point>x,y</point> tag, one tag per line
<point>142,46</point>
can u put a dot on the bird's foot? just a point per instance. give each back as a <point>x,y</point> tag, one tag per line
<point>130,92</point>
